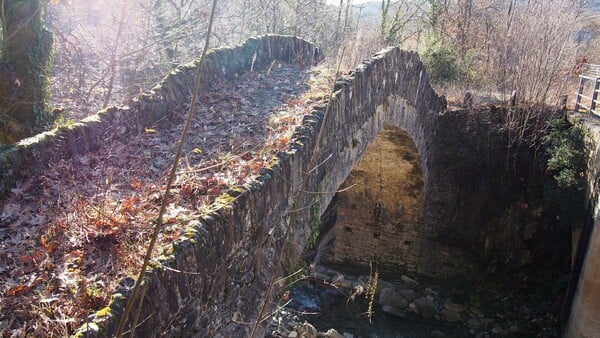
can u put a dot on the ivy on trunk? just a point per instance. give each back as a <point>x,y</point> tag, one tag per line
<point>25,62</point>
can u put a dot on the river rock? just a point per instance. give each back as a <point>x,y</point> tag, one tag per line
<point>293,334</point>
<point>384,294</point>
<point>451,316</point>
<point>486,321</point>
<point>474,323</point>
<point>309,331</point>
<point>412,307</point>
<point>381,284</point>
<point>409,295</point>
<point>426,308</point>
<point>409,282</point>
<point>390,297</point>
<point>455,307</point>
<point>394,311</point>
<point>341,281</point>
<point>438,334</point>
<point>348,335</point>
<point>331,333</point>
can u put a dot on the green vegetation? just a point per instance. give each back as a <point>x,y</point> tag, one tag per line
<point>441,64</point>
<point>25,60</point>
<point>564,146</point>
<point>314,224</point>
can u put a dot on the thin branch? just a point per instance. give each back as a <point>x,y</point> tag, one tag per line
<point>159,221</point>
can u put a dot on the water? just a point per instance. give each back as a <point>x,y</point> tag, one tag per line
<point>327,307</point>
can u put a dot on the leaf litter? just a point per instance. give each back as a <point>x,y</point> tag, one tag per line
<point>69,234</point>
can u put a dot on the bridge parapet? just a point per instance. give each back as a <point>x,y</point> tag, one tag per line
<point>28,156</point>
<point>584,319</point>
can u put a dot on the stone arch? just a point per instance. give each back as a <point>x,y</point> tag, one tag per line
<point>379,208</point>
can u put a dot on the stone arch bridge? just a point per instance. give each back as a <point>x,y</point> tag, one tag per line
<point>377,135</point>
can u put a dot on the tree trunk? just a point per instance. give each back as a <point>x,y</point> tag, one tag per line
<point>25,61</point>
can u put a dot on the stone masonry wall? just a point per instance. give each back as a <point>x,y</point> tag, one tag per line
<point>584,319</point>
<point>218,271</point>
<point>227,257</point>
<point>380,207</point>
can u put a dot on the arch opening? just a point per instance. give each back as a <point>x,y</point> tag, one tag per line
<point>378,210</point>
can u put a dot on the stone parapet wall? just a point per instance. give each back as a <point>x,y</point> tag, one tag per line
<point>584,319</point>
<point>27,157</point>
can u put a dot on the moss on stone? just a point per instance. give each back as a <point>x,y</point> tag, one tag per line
<point>315,223</point>
<point>104,312</point>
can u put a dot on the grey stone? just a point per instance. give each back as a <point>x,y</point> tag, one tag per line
<point>331,333</point>
<point>438,334</point>
<point>452,306</point>
<point>348,335</point>
<point>293,334</point>
<point>474,323</point>
<point>389,297</point>
<point>497,329</point>
<point>394,311</point>
<point>451,316</point>
<point>309,331</point>
<point>409,295</point>
<point>381,284</point>
<point>426,308</point>
<point>384,294</point>
<point>412,307</point>
<point>486,321</point>
<point>409,282</point>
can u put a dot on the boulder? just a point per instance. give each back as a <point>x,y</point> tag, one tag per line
<point>384,294</point>
<point>331,333</point>
<point>394,311</point>
<point>451,316</point>
<point>389,297</point>
<point>426,307</point>
<point>455,307</point>
<point>497,329</point>
<point>308,331</point>
<point>409,282</point>
<point>412,307</point>
<point>474,323</point>
<point>438,334</point>
<point>409,295</point>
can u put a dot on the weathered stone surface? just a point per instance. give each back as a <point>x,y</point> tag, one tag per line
<point>398,312</point>
<point>389,92</point>
<point>438,334</point>
<point>426,308</point>
<point>474,323</point>
<point>451,316</point>
<point>452,306</point>
<point>409,295</point>
<point>409,282</point>
<point>585,307</point>
<point>392,298</point>
<point>308,331</point>
<point>332,333</point>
